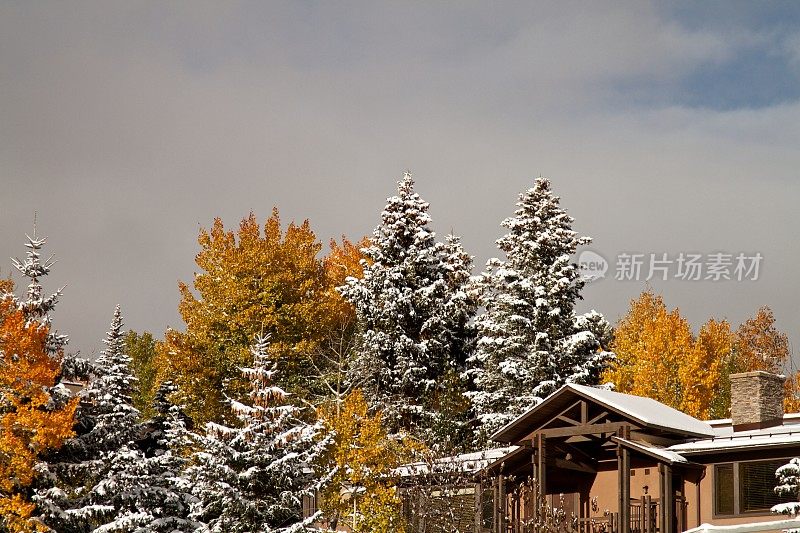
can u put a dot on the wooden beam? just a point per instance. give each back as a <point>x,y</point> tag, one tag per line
<point>562,415</point>
<point>569,421</point>
<point>585,429</point>
<point>535,487</point>
<point>573,465</point>
<point>495,504</point>
<point>598,417</point>
<point>585,458</point>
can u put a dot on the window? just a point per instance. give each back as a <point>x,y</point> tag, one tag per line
<point>746,487</point>
<point>309,504</point>
<point>723,489</point>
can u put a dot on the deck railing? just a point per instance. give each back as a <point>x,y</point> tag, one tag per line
<point>644,518</point>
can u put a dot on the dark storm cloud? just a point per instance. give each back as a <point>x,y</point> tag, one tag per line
<point>127,126</point>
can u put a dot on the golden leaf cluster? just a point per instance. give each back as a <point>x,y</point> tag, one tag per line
<point>659,357</point>
<point>362,494</point>
<point>255,282</point>
<point>29,425</point>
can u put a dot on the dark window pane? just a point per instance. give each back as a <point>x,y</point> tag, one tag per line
<point>723,489</point>
<point>756,484</point>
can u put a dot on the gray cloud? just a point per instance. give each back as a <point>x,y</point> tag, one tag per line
<point>130,125</point>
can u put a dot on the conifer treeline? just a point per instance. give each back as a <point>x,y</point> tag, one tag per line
<point>296,375</point>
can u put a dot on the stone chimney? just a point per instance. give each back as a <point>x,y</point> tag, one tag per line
<point>756,400</point>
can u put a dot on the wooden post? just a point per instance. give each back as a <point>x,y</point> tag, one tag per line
<point>478,505</point>
<point>496,503</point>
<point>669,503</point>
<point>534,486</point>
<point>624,475</point>
<point>667,498</point>
<point>503,505</point>
<point>642,523</point>
<point>541,457</point>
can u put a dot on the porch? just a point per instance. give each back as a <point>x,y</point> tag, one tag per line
<point>586,466</point>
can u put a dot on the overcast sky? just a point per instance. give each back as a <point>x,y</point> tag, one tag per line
<point>665,128</point>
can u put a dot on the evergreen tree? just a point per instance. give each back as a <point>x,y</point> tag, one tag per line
<point>413,309</point>
<point>530,339</point>
<point>36,412</point>
<point>148,490</point>
<point>36,306</point>
<point>78,498</point>
<point>788,477</point>
<point>252,478</point>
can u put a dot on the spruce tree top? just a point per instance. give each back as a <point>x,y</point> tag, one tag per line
<point>403,231</point>
<point>539,248</point>
<point>530,339</point>
<point>36,306</point>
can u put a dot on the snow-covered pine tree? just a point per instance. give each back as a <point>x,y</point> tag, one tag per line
<point>36,306</point>
<point>76,499</point>
<point>530,341</point>
<point>148,490</point>
<point>253,477</point>
<point>788,477</point>
<point>413,309</point>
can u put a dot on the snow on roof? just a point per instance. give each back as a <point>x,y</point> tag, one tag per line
<point>773,525</point>
<point>724,426</point>
<point>767,437</point>
<point>464,463</point>
<point>668,456</point>
<point>647,410</point>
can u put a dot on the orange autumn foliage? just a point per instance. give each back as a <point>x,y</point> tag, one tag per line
<point>29,426</point>
<point>254,281</point>
<point>759,345</point>
<point>659,357</point>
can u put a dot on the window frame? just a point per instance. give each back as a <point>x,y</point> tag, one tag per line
<point>736,488</point>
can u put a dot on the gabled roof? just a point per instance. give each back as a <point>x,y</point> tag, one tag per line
<point>646,412</point>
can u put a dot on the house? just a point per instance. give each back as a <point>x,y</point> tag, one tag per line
<point>620,463</point>
<point>608,462</point>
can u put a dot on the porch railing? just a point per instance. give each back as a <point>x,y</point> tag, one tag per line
<point>644,513</point>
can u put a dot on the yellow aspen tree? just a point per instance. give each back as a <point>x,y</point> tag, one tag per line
<point>791,393</point>
<point>651,345</point>
<point>759,345</point>
<point>29,426</point>
<point>659,357</point>
<point>361,493</point>
<point>701,371</point>
<point>253,281</point>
